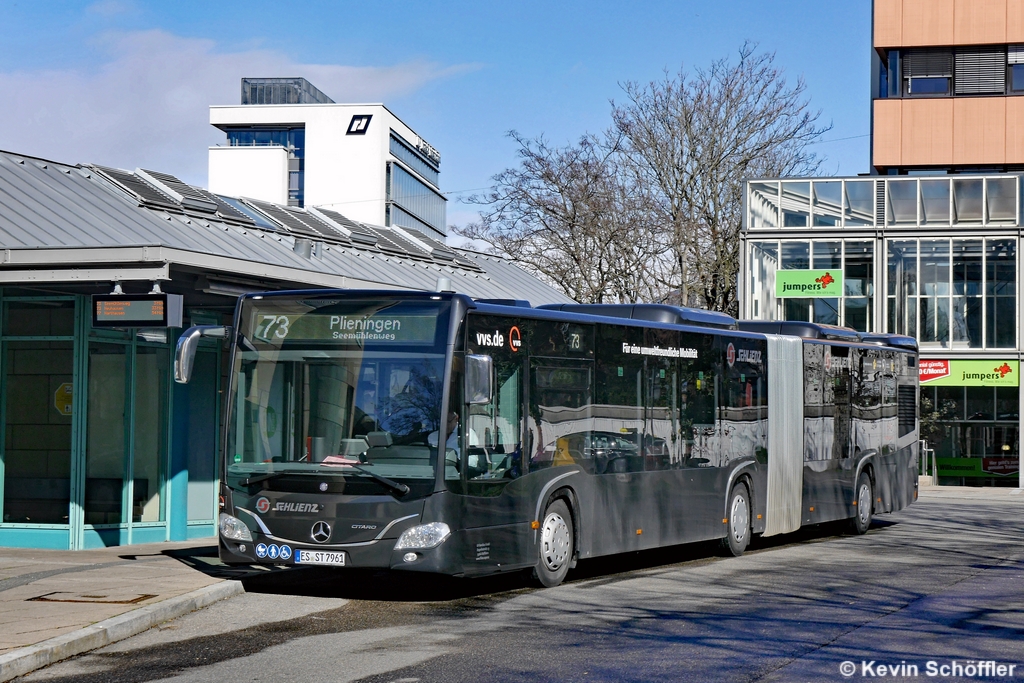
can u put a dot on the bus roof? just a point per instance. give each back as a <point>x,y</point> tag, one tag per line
<point>658,313</point>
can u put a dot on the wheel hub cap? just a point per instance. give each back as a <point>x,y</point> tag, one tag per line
<point>554,541</point>
<point>739,518</point>
<point>864,503</point>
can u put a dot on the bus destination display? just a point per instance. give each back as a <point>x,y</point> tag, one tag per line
<point>136,310</point>
<point>354,329</point>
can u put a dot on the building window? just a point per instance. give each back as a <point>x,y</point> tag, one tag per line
<point>292,139</point>
<point>418,199</point>
<point>927,71</point>
<point>853,307</point>
<point>405,153</point>
<point>818,203</point>
<point>763,202</point>
<point>954,293</point>
<point>1015,67</point>
<point>981,70</point>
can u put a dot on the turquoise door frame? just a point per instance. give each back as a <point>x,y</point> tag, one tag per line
<point>180,420</point>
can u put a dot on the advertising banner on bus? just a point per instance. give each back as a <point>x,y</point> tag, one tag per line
<point>969,373</point>
<point>808,283</point>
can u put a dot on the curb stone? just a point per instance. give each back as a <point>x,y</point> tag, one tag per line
<point>32,657</point>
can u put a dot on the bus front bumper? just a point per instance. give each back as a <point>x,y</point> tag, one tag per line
<point>443,559</point>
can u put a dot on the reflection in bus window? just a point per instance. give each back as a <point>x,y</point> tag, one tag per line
<point>662,442</point>
<point>560,405</point>
<point>495,429</point>
<point>743,424</point>
<point>698,391</point>
<point>619,422</point>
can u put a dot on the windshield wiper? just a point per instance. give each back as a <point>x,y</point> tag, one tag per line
<point>390,483</point>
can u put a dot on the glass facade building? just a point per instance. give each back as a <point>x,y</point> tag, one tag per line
<point>413,198</point>
<point>933,257</point>
<point>100,446</point>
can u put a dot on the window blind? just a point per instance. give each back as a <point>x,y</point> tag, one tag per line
<point>980,70</point>
<point>1016,54</point>
<point>931,62</point>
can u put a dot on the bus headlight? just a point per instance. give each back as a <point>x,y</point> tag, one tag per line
<point>234,528</point>
<point>423,536</point>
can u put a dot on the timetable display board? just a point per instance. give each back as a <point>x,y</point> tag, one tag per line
<point>136,310</point>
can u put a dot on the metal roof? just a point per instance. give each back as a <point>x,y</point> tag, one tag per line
<point>55,216</point>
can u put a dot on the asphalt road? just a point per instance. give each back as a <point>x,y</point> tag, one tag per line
<point>940,582</point>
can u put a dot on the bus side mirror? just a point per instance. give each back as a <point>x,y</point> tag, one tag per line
<point>479,379</point>
<point>188,342</point>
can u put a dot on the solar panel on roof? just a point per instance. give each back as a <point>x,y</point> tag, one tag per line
<point>257,218</point>
<point>438,249</point>
<point>389,240</point>
<point>444,253</point>
<point>329,232</point>
<point>186,195</point>
<point>300,222</point>
<point>143,192</point>
<point>287,221</point>
<point>226,210</point>
<point>360,233</point>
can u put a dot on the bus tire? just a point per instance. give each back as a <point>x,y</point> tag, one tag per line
<point>738,533</point>
<point>861,521</point>
<point>555,545</point>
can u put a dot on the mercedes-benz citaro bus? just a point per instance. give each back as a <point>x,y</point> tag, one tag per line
<point>428,432</point>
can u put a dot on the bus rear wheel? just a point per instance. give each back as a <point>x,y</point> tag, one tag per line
<point>555,546</point>
<point>738,535</point>
<point>865,505</point>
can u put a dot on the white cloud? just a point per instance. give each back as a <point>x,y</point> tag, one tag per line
<point>148,104</point>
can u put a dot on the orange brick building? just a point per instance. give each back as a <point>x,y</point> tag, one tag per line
<point>948,85</point>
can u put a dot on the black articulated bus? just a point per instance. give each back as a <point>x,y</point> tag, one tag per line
<point>429,432</point>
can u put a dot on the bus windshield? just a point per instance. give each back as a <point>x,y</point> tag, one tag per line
<point>347,392</point>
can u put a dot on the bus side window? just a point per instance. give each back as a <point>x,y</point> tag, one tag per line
<point>560,406</point>
<point>496,429</point>
<point>698,391</point>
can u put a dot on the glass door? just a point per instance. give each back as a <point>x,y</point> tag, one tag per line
<point>106,425</point>
<point>149,443</point>
<point>125,442</point>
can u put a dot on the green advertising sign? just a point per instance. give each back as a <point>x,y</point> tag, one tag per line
<point>807,283</point>
<point>969,373</point>
<point>995,466</point>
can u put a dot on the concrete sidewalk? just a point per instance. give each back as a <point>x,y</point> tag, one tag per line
<point>55,604</point>
<point>986,493</point>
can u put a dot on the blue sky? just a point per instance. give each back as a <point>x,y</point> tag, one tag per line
<point>127,83</point>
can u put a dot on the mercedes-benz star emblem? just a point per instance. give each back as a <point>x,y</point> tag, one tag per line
<point>323,486</point>
<point>321,532</point>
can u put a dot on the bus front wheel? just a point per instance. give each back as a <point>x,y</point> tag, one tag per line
<point>738,534</point>
<point>865,504</point>
<point>556,545</point>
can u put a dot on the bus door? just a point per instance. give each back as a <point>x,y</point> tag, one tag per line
<point>615,445</point>
<point>838,372</point>
<point>700,396</point>
<point>666,514</point>
<point>823,478</point>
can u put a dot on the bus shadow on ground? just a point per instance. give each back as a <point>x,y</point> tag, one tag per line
<point>397,586</point>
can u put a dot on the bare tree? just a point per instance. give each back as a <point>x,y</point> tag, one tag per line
<point>651,210</point>
<point>692,140</point>
<point>564,215</point>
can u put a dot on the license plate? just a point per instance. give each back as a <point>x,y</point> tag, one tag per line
<point>336,559</point>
